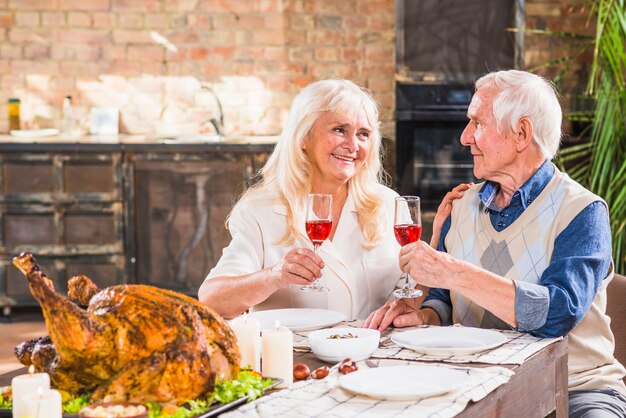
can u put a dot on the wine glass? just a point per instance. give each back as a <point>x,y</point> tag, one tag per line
<point>319,222</point>
<point>407,226</point>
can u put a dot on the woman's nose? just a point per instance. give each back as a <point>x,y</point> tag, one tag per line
<point>352,143</point>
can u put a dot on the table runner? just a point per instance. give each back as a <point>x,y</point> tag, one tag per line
<point>516,350</point>
<point>325,398</point>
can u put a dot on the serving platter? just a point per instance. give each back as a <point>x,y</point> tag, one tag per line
<point>213,411</point>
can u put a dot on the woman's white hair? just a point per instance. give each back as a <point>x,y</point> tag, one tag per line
<point>523,94</point>
<point>286,177</point>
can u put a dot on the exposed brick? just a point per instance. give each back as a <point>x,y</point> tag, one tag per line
<point>27,19</point>
<point>276,53</point>
<point>275,21</point>
<point>130,21</point>
<point>198,53</point>
<point>324,37</point>
<point>156,21</point>
<point>36,52</point>
<point>328,22</point>
<point>249,54</point>
<point>332,71</point>
<point>99,5</point>
<point>224,20</point>
<point>327,54</point>
<point>12,82</point>
<point>53,19</point>
<point>78,52</point>
<point>269,37</point>
<point>180,5</point>
<point>78,68</point>
<point>79,19</point>
<point>202,21</point>
<point>543,9</point>
<point>33,4</point>
<point>104,20</point>
<point>114,52</point>
<point>35,66</point>
<point>83,35</point>
<point>330,7</point>
<point>136,5</point>
<point>6,19</point>
<point>124,67</point>
<point>376,7</point>
<point>352,54</point>
<point>301,22</point>
<point>295,37</point>
<point>145,53</point>
<point>382,22</point>
<point>378,83</point>
<point>220,6</point>
<point>30,35</point>
<point>379,53</point>
<point>5,68</point>
<point>122,36</point>
<point>301,53</point>
<point>10,51</point>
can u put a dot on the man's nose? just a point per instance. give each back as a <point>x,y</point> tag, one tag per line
<point>467,136</point>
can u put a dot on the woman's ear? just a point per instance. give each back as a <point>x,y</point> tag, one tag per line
<point>524,134</point>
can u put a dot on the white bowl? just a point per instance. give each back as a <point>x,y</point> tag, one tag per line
<point>334,350</point>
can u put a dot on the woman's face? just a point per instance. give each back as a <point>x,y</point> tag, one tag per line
<point>337,147</point>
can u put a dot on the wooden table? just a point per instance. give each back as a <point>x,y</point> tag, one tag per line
<point>537,389</point>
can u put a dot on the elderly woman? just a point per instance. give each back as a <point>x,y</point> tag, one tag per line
<point>331,144</point>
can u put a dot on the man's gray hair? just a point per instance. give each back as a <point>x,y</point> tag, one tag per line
<point>523,94</point>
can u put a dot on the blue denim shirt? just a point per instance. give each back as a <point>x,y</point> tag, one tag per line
<point>580,261</point>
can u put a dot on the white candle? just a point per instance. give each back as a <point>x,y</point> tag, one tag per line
<point>27,384</point>
<point>46,403</point>
<point>248,333</point>
<point>278,354</point>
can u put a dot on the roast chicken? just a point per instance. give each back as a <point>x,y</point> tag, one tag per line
<point>131,342</point>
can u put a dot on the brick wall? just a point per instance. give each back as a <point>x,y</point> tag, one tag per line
<point>254,54</point>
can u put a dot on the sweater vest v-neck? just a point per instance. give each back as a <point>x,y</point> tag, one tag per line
<point>521,252</point>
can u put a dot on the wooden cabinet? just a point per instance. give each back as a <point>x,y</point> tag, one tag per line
<point>151,214</point>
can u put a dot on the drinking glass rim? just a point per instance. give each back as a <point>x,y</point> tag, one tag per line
<point>407,198</point>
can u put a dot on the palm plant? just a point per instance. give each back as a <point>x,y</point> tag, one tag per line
<point>600,164</point>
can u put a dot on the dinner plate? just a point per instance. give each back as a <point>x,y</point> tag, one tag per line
<point>298,319</point>
<point>34,133</point>
<point>403,383</point>
<point>445,341</point>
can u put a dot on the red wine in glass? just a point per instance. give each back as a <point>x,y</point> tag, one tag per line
<point>407,227</point>
<point>318,231</point>
<point>319,223</point>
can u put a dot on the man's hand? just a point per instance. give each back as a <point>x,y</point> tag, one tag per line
<point>299,266</point>
<point>400,313</point>
<point>428,266</point>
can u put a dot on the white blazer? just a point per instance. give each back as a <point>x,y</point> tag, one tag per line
<point>360,280</point>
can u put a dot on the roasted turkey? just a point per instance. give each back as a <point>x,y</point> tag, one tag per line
<point>132,342</point>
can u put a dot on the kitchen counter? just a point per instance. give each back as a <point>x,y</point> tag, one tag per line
<point>185,143</point>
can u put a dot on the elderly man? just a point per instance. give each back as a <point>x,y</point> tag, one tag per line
<point>529,249</point>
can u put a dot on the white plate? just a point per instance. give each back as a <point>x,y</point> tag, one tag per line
<point>34,133</point>
<point>298,319</point>
<point>446,341</point>
<point>403,383</point>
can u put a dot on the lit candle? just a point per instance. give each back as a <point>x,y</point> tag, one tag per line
<point>26,384</point>
<point>46,403</point>
<point>278,354</point>
<point>248,333</point>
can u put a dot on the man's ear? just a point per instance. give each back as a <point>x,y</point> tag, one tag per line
<point>524,134</point>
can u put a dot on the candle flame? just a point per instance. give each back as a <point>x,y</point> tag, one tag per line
<point>245,316</point>
<point>31,369</point>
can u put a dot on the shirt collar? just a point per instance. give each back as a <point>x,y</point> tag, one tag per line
<point>527,193</point>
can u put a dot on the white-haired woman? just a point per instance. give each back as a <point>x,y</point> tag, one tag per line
<point>331,144</point>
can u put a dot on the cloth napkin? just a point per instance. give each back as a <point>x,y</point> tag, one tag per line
<point>311,398</point>
<point>516,350</point>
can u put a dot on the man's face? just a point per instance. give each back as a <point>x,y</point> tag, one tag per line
<point>493,152</point>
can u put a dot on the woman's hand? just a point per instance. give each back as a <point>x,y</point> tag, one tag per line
<point>445,209</point>
<point>298,266</point>
<point>400,313</point>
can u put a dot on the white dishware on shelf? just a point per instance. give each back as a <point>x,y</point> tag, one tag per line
<point>335,344</point>
<point>403,383</point>
<point>447,341</point>
<point>299,319</point>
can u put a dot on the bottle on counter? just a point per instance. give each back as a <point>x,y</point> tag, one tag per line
<point>68,124</point>
<point>14,113</point>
